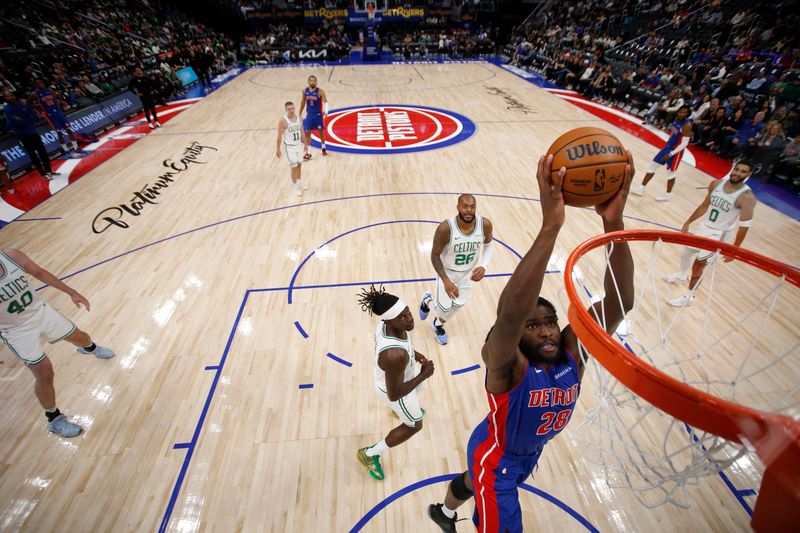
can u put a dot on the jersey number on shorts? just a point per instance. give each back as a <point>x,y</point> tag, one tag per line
<point>464,259</point>
<point>18,306</point>
<point>553,421</point>
<point>712,216</point>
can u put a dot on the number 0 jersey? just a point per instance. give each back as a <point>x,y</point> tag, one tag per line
<point>18,300</point>
<point>463,251</point>
<point>722,213</point>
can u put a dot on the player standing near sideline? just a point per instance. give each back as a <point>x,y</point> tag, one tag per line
<point>25,316</point>
<point>462,249</point>
<point>315,102</point>
<point>680,132</point>
<point>50,106</point>
<point>533,376</point>
<point>290,135</point>
<point>728,203</point>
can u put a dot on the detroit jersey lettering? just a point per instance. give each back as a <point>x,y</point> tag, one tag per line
<point>312,101</point>
<point>524,419</point>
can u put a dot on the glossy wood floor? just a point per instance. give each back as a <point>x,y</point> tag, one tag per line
<point>178,294</point>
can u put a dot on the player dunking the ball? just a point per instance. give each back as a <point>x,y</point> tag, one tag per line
<point>533,373</point>
<point>728,203</point>
<point>461,251</point>
<point>399,372</point>
<point>680,132</point>
<point>290,135</point>
<point>315,102</point>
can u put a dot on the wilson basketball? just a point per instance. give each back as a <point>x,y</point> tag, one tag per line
<point>595,162</point>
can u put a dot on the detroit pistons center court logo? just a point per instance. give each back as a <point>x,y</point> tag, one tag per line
<point>393,129</point>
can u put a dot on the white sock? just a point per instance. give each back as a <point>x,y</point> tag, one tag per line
<point>323,146</point>
<point>449,513</point>
<point>377,449</point>
<point>74,145</point>
<point>686,259</point>
<point>64,147</point>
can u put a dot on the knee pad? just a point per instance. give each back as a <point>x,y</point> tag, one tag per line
<point>459,487</point>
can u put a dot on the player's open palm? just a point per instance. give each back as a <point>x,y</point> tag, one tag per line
<point>550,192</point>
<point>613,208</point>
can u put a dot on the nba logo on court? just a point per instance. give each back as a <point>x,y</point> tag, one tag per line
<point>393,129</point>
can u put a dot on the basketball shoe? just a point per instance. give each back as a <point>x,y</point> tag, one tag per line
<point>683,301</point>
<point>435,513</point>
<point>306,156</point>
<point>666,197</point>
<point>101,352</point>
<point>61,426</point>
<point>441,334</point>
<point>324,151</point>
<point>425,305</point>
<point>677,277</point>
<point>638,190</point>
<point>372,464</point>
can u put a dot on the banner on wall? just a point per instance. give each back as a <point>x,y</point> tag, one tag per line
<point>88,120</point>
<point>354,18</point>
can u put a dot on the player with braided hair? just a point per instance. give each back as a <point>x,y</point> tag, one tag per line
<point>399,372</point>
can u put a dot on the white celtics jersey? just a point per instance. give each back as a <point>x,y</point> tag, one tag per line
<point>463,251</point>
<point>722,213</point>
<point>17,298</point>
<point>293,131</point>
<point>383,342</point>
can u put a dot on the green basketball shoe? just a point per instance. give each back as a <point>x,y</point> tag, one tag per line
<point>372,464</point>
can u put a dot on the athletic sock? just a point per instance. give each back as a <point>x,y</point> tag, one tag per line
<point>64,147</point>
<point>377,449</point>
<point>90,348</point>
<point>449,513</point>
<point>52,415</point>
<point>74,145</point>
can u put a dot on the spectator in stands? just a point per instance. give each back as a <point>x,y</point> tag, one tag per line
<point>712,118</point>
<point>146,90</point>
<point>5,178</point>
<point>668,108</point>
<point>21,119</point>
<point>765,149</point>
<point>734,144</point>
<point>621,92</point>
<point>788,164</point>
<point>730,126</point>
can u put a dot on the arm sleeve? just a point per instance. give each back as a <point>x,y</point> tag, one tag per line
<point>488,250</point>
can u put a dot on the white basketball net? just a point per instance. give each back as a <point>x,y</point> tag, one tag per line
<point>742,346</point>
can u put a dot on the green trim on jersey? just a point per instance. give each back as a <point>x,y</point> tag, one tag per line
<point>390,347</point>
<point>74,327</point>
<point>18,356</point>
<point>385,336</point>
<point>474,229</point>
<point>407,412</point>
<point>12,261</point>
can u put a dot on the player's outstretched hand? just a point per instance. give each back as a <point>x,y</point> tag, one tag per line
<point>611,210</point>
<point>550,192</point>
<point>427,369</point>
<point>478,273</point>
<point>79,300</point>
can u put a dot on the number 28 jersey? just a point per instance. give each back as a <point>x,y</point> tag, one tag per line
<point>463,251</point>
<point>18,300</point>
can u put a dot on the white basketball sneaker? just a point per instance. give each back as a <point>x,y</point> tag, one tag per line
<point>666,197</point>
<point>638,190</point>
<point>684,301</point>
<point>677,277</point>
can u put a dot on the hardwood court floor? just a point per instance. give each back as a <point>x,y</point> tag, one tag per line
<point>193,297</point>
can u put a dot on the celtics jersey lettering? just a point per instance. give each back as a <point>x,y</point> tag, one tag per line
<point>463,251</point>
<point>17,298</point>
<point>383,342</point>
<point>292,133</point>
<point>722,213</point>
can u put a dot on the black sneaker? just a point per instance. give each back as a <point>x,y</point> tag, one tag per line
<point>448,525</point>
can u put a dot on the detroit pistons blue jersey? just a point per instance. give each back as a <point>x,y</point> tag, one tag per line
<point>676,133</point>
<point>312,101</point>
<point>523,420</point>
<point>48,101</point>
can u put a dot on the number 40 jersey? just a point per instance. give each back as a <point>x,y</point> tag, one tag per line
<point>18,300</point>
<point>463,251</point>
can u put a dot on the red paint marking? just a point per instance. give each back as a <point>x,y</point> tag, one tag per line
<point>708,162</point>
<point>32,189</point>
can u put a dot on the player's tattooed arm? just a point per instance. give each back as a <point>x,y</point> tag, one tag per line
<point>440,240</point>
<point>393,362</point>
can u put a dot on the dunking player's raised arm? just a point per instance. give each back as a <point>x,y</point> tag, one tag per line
<point>618,280</point>
<point>501,352</point>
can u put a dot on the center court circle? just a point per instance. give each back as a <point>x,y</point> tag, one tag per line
<point>393,129</point>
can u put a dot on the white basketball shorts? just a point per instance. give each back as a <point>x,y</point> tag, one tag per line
<point>24,340</point>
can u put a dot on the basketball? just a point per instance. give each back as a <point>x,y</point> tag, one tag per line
<point>595,161</point>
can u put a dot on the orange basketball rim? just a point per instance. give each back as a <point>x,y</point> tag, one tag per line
<point>775,438</point>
